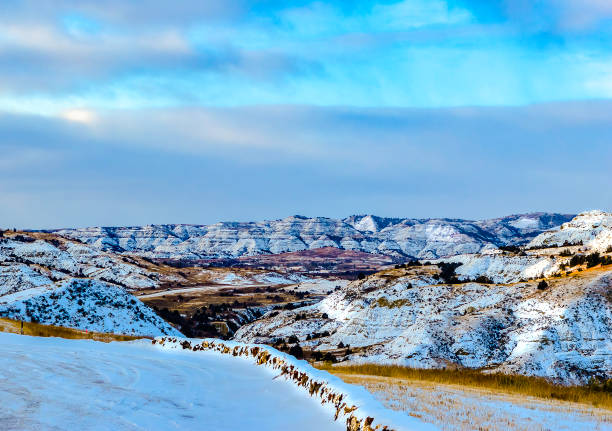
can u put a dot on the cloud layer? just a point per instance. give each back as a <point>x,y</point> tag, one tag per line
<point>202,165</point>
<point>128,112</point>
<point>58,55</point>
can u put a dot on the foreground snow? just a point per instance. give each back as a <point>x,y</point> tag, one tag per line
<point>57,384</point>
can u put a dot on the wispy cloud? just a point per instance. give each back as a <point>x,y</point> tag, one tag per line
<point>391,53</point>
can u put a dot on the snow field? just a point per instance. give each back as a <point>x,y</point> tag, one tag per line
<point>57,384</point>
<point>356,405</point>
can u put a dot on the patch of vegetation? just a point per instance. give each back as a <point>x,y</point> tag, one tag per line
<point>384,302</point>
<point>408,264</point>
<point>38,330</point>
<point>483,279</point>
<point>598,393</point>
<point>542,285</point>
<point>447,272</point>
<point>590,260</point>
<point>510,248</point>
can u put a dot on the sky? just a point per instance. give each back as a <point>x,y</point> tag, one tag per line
<point>129,112</point>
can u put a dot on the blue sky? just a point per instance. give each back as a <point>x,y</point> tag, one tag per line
<point>128,112</point>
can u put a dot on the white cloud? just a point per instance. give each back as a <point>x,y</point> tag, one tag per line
<point>79,116</point>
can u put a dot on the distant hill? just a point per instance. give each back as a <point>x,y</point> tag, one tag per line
<point>400,238</point>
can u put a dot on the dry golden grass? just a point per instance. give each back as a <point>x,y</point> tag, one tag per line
<point>460,408</point>
<point>506,383</point>
<point>38,330</point>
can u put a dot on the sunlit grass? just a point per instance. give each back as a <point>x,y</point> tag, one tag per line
<point>38,330</point>
<point>507,383</point>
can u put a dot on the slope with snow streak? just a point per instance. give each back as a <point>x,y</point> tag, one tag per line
<point>56,384</point>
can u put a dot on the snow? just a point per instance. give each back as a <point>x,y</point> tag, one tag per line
<point>365,403</point>
<point>563,333</point>
<point>57,384</point>
<point>76,260</point>
<point>504,269</point>
<point>277,278</point>
<point>592,228</point>
<point>232,278</point>
<point>85,304</point>
<point>423,238</point>
<point>15,278</point>
<point>321,285</point>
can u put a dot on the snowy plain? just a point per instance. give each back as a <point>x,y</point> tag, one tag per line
<point>58,384</point>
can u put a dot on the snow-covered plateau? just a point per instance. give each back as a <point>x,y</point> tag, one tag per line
<point>57,384</point>
<point>593,229</point>
<point>398,237</point>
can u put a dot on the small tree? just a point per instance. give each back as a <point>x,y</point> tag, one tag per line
<point>543,285</point>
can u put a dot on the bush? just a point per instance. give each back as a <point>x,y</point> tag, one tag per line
<point>447,272</point>
<point>510,248</point>
<point>296,351</point>
<point>601,385</point>
<point>593,259</point>
<point>577,259</point>
<point>361,276</point>
<point>542,285</point>
<point>22,238</point>
<point>328,357</point>
<point>483,279</point>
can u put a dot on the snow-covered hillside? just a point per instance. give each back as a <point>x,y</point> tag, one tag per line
<point>57,384</point>
<point>83,304</point>
<point>563,332</point>
<point>59,258</point>
<point>501,268</point>
<point>423,238</point>
<point>593,229</point>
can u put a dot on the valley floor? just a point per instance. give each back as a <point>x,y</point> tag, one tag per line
<point>58,384</point>
<point>456,408</point>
